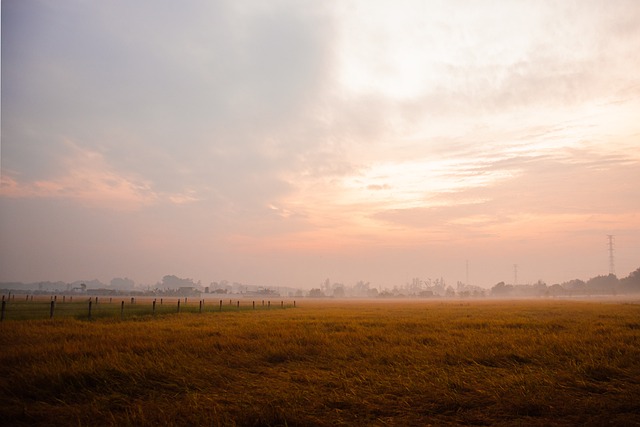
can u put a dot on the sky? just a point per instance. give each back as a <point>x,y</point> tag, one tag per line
<point>281,143</point>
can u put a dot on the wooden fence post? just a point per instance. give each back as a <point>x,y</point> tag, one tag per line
<point>254,305</point>
<point>3,305</point>
<point>238,304</point>
<point>90,309</point>
<point>53,303</point>
<point>268,304</point>
<point>281,304</point>
<point>122,310</point>
<point>294,303</point>
<point>154,307</point>
<point>200,306</point>
<point>178,305</point>
<point>220,305</point>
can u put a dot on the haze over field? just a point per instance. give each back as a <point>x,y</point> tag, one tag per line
<point>281,143</point>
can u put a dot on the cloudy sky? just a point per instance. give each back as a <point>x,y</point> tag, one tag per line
<point>285,142</point>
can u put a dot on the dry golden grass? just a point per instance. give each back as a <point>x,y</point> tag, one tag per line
<point>331,363</point>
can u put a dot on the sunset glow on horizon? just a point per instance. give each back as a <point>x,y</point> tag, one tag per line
<point>284,143</point>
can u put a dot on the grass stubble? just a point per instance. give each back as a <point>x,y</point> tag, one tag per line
<point>331,363</point>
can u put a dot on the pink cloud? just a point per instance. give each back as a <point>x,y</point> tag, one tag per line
<point>90,180</point>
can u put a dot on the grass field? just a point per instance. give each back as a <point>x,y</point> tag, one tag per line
<point>330,363</point>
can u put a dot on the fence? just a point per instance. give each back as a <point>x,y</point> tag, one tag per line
<point>26,307</point>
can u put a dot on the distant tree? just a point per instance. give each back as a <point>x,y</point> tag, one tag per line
<point>631,283</point>
<point>415,287</point>
<point>450,292</point>
<point>604,284</point>
<point>501,290</point>
<point>540,287</point>
<point>478,292</point>
<point>556,289</point>
<point>175,282</point>
<point>361,289</point>
<point>575,286</point>
<point>438,286</point>
<point>316,293</point>
<point>386,294</point>
<point>224,284</point>
<point>122,284</point>
<point>464,293</point>
<point>91,284</point>
<point>338,292</point>
<point>464,290</point>
<point>326,286</point>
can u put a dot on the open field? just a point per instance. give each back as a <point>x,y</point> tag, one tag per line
<point>331,363</point>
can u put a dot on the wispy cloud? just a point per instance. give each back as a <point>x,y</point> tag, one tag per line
<point>88,178</point>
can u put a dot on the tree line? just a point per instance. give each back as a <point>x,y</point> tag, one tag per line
<point>415,288</point>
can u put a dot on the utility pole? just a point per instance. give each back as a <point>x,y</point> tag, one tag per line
<point>612,266</point>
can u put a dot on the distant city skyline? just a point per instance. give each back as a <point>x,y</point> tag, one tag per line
<point>287,142</point>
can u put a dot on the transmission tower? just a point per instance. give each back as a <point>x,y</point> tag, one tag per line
<point>612,265</point>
